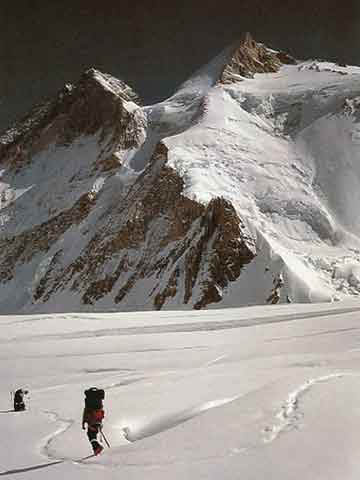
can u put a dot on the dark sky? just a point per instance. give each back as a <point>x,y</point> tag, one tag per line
<point>153,45</point>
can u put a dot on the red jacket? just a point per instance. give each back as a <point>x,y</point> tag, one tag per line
<point>93,417</point>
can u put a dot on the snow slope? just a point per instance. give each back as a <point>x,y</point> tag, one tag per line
<point>284,149</point>
<point>258,392</point>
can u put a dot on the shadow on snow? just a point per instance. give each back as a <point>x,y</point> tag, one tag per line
<point>29,469</point>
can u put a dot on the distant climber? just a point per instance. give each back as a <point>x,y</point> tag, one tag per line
<point>93,416</point>
<point>19,401</point>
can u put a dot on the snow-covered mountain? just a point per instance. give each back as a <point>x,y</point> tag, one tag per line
<point>242,186</point>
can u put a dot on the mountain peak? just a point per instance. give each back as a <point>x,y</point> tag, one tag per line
<point>95,78</point>
<point>250,57</point>
<point>97,102</point>
<point>229,195</point>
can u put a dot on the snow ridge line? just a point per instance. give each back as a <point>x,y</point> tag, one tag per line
<point>153,426</point>
<point>289,414</point>
<point>214,361</point>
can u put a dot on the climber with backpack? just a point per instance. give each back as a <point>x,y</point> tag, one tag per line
<point>19,402</point>
<point>93,416</point>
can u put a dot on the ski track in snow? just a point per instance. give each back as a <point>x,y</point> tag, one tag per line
<point>47,441</point>
<point>45,448</point>
<point>289,414</point>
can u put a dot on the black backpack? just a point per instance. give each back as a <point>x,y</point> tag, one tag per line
<point>19,396</point>
<point>94,398</point>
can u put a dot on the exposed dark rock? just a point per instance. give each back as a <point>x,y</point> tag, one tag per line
<point>252,57</point>
<point>189,251</point>
<point>145,233</point>
<point>94,104</point>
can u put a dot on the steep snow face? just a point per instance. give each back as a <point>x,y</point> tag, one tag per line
<point>284,149</point>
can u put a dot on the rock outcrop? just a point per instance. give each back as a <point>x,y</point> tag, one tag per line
<point>186,251</point>
<point>251,57</point>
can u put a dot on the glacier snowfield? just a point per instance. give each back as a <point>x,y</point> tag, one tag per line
<point>254,393</point>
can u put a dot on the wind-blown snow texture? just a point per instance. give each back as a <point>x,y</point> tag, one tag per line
<point>282,148</point>
<point>258,392</point>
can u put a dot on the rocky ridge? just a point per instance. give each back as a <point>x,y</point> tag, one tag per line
<point>251,57</point>
<point>107,234</point>
<point>96,103</point>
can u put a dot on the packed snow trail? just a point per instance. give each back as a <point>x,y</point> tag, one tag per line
<point>288,416</point>
<point>198,403</point>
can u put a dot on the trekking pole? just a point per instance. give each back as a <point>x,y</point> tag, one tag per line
<point>105,439</point>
